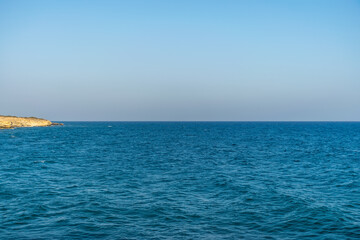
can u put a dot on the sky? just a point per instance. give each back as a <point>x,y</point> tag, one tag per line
<point>180,60</point>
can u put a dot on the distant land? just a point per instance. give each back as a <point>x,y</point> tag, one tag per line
<point>7,122</point>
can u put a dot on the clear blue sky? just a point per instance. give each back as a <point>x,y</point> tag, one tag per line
<point>180,60</point>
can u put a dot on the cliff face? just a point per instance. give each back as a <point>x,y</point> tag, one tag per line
<point>14,122</point>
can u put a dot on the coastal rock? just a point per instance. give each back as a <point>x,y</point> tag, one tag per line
<point>57,124</point>
<point>7,122</point>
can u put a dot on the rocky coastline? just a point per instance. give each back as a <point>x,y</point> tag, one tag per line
<point>8,122</point>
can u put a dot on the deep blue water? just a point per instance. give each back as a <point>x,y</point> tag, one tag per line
<point>118,180</point>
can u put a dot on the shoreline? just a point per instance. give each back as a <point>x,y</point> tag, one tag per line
<point>10,122</point>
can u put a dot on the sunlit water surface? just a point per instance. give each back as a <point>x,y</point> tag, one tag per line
<point>118,180</point>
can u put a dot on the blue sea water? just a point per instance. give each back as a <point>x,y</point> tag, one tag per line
<point>181,180</point>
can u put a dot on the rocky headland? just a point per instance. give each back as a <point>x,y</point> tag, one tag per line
<point>7,122</point>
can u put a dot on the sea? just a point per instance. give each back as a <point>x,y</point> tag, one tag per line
<point>181,180</point>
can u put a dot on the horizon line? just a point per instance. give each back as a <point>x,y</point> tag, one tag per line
<point>206,121</point>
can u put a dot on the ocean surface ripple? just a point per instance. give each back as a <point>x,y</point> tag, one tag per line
<point>181,180</point>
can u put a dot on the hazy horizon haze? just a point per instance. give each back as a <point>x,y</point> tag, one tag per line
<point>180,60</point>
